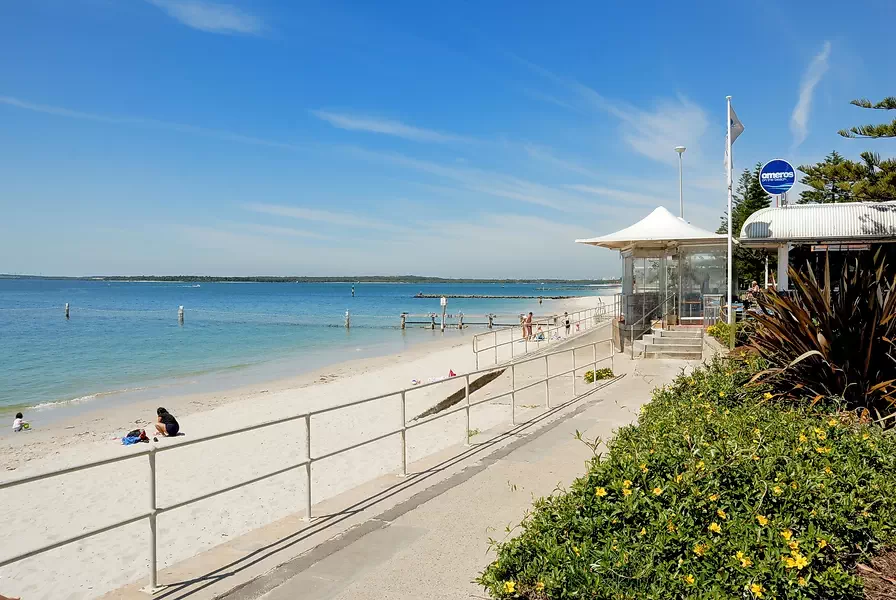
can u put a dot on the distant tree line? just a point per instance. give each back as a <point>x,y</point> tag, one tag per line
<point>353,279</point>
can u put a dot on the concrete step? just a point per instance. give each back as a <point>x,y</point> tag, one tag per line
<point>679,333</point>
<point>652,348</point>
<point>678,355</point>
<point>675,341</point>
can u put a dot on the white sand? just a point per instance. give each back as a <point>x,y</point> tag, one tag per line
<point>49,510</point>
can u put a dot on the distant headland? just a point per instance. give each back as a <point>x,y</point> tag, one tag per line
<point>302,279</point>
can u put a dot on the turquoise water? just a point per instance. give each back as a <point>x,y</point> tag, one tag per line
<point>126,336</point>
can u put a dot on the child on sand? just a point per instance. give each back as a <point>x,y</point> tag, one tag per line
<point>19,423</point>
<point>167,425</point>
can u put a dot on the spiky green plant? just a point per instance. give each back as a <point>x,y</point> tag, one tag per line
<point>833,339</point>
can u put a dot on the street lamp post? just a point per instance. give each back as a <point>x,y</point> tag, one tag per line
<point>680,150</point>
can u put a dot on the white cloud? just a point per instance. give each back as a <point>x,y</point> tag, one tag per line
<point>341,219</point>
<point>622,195</point>
<point>284,231</point>
<point>143,122</point>
<point>799,120</point>
<point>386,127</point>
<point>211,17</point>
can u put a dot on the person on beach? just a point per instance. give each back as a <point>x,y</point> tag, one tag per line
<point>566,321</point>
<point>527,328</point>
<point>167,425</point>
<point>19,423</point>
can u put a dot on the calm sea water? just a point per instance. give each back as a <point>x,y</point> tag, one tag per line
<point>125,336</point>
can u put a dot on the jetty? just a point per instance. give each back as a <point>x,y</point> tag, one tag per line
<point>422,295</point>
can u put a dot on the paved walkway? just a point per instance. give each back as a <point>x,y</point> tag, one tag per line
<point>433,544</point>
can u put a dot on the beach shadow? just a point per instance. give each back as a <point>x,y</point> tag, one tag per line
<point>185,588</point>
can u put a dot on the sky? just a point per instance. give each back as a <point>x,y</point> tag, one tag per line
<point>458,139</point>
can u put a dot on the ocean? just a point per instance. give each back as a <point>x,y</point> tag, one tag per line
<point>124,337</point>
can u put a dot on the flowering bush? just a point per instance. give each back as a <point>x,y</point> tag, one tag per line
<point>718,492</point>
<point>721,330</point>
<point>601,374</point>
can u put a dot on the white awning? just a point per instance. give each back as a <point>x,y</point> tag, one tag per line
<point>820,223</point>
<point>659,229</point>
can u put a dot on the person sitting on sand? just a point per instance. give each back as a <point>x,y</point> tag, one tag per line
<point>167,425</point>
<point>19,423</point>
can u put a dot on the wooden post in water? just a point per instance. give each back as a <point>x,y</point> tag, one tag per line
<point>348,320</point>
<point>404,317</point>
<point>66,310</point>
<point>180,315</point>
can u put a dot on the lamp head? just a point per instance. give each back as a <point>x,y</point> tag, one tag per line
<point>680,149</point>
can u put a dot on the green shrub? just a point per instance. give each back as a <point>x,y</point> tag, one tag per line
<point>601,374</point>
<point>721,330</point>
<point>718,492</point>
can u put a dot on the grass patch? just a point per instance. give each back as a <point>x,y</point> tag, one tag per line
<point>718,492</point>
<point>600,374</point>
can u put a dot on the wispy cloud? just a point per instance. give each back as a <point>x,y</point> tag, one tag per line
<point>547,156</point>
<point>211,16</point>
<point>284,231</point>
<point>341,219</point>
<point>652,132</point>
<point>143,122</point>
<point>799,120</point>
<point>621,195</point>
<point>387,127</point>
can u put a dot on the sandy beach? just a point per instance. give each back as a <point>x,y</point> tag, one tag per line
<point>54,509</point>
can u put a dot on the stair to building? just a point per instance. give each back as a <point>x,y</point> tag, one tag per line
<point>682,343</point>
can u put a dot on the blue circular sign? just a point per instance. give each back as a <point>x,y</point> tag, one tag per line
<point>777,176</point>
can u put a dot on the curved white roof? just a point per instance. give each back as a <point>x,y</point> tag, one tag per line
<point>858,221</point>
<point>658,229</point>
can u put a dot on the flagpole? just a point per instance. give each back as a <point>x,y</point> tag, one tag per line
<point>731,319</point>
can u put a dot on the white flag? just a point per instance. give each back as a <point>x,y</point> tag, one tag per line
<point>737,127</point>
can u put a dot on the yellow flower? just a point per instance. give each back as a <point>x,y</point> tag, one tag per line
<point>627,483</point>
<point>721,514</point>
<point>777,490</point>
<point>539,587</point>
<point>763,520</point>
<point>788,562</point>
<point>755,457</point>
<point>678,478</point>
<point>689,579</point>
<point>801,582</point>
<point>670,526</point>
<point>822,543</point>
<point>768,395</point>
<point>820,434</point>
<point>700,549</point>
<point>799,560</point>
<point>713,497</point>
<point>644,468</point>
<point>626,491</point>
<point>721,394</point>
<point>794,485</point>
<point>794,544</point>
<point>509,587</point>
<point>787,534</point>
<point>865,436</point>
<point>756,431</point>
<point>657,491</point>
<point>827,470</point>
<point>803,438</point>
<point>600,492</point>
<point>822,449</point>
<point>744,559</point>
<point>833,422</point>
<point>756,590</point>
<point>701,465</point>
<point>643,532</point>
<point>715,527</point>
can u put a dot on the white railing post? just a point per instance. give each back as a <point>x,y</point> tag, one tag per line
<point>547,384</point>
<point>404,436</point>
<point>496,347</point>
<point>594,365</point>
<point>153,542</point>
<point>467,395</point>
<point>308,467</point>
<point>574,376</point>
<point>512,395</point>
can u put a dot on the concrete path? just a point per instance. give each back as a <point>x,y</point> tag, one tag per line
<point>435,543</point>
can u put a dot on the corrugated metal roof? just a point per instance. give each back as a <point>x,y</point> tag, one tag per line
<point>864,221</point>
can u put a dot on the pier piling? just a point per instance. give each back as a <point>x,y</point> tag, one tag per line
<point>404,318</point>
<point>180,315</point>
<point>348,320</point>
<point>66,310</point>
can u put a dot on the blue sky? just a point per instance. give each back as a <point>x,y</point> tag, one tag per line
<point>453,139</point>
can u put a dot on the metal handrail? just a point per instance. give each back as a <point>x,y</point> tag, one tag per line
<point>640,321</point>
<point>598,313</point>
<point>308,459</point>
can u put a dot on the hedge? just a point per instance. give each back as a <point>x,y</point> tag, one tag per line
<point>720,491</point>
